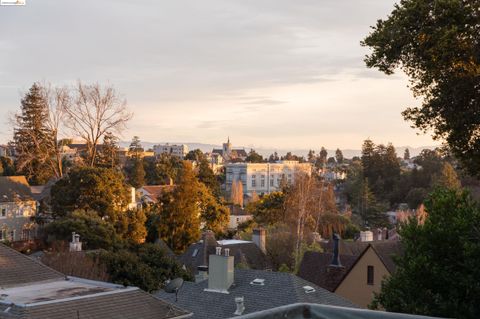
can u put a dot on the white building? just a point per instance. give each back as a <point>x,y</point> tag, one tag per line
<point>178,150</point>
<point>263,178</point>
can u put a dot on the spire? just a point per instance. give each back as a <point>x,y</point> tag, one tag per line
<point>228,141</point>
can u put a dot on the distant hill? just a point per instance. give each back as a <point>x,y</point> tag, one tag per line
<point>347,153</point>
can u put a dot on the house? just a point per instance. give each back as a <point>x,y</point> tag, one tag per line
<point>149,194</point>
<point>228,291</point>
<point>32,290</point>
<point>238,215</point>
<point>352,270</point>
<point>17,207</point>
<point>263,178</point>
<point>249,254</point>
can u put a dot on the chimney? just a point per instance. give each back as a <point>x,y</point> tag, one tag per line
<point>259,238</point>
<point>209,240</point>
<point>202,273</point>
<point>239,301</point>
<point>75,244</point>
<point>336,254</point>
<point>366,236</point>
<point>379,232</point>
<point>220,276</point>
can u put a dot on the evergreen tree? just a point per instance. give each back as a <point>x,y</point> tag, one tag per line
<point>207,177</point>
<point>447,178</point>
<point>136,176</point>
<point>32,138</point>
<point>323,155</point>
<point>339,156</point>
<point>179,214</point>
<point>254,157</point>
<point>437,273</point>
<point>108,156</point>
<point>311,156</point>
<point>406,154</point>
<point>135,148</point>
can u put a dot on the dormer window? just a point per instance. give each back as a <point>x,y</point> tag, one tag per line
<point>258,282</point>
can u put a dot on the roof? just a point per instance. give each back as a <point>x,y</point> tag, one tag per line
<point>239,152</point>
<point>119,303</point>
<point>244,252</point>
<point>280,289</point>
<point>32,290</point>
<point>19,269</point>
<point>13,188</point>
<point>313,311</point>
<point>315,265</point>
<point>315,268</point>
<point>155,191</point>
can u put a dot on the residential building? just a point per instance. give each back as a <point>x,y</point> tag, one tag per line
<point>228,291</point>
<point>17,207</point>
<point>178,150</point>
<point>149,194</point>
<point>230,154</point>
<point>245,253</point>
<point>238,215</point>
<point>352,270</point>
<point>263,178</point>
<point>31,290</point>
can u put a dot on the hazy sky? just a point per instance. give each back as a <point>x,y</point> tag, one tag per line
<point>268,73</point>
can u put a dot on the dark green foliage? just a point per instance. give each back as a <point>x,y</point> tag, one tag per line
<point>7,166</point>
<point>100,189</point>
<point>32,138</point>
<point>416,196</point>
<point>438,273</point>
<point>136,172</point>
<point>94,232</point>
<point>207,177</point>
<point>254,157</point>
<point>108,154</point>
<point>147,266</point>
<point>162,170</point>
<point>339,156</point>
<point>437,44</point>
<point>135,148</point>
<point>269,210</point>
<point>195,155</point>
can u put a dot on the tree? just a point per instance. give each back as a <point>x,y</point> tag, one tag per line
<point>146,266</point>
<point>100,189</point>
<point>131,226</point>
<point>273,158</point>
<point>437,274</point>
<point>136,173</point>
<point>162,170</point>
<point>254,157</point>
<point>179,214</point>
<point>213,213</point>
<point>323,155</point>
<point>32,137</point>
<point>95,111</point>
<point>108,156</point>
<point>311,156</point>
<point>339,156</point>
<point>135,148</point>
<point>195,155</point>
<point>406,154</point>
<point>236,193</point>
<point>447,178</point>
<point>269,210</point>
<point>331,161</point>
<point>436,43</point>
<point>8,167</point>
<point>207,177</point>
<point>94,232</point>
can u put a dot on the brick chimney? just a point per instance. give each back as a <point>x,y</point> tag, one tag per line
<point>259,238</point>
<point>75,244</point>
<point>221,271</point>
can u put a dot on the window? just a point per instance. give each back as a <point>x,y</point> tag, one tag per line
<point>25,234</point>
<point>262,183</point>
<point>4,212</point>
<point>271,182</point>
<point>370,275</point>
<point>254,183</point>
<point>195,252</point>
<point>11,235</point>
<point>2,235</point>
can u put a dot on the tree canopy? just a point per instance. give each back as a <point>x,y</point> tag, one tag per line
<point>438,272</point>
<point>437,44</point>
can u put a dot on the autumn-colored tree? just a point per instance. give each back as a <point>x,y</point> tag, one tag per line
<point>236,193</point>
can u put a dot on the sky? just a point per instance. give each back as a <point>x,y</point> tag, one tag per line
<point>267,73</point>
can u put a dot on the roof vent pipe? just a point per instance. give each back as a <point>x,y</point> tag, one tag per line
<point>218,251</point>
<point>227,252</point>
<point>336,255</point>
<point>239,301</point>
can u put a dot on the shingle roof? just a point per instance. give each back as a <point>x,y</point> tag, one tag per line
<point>279,289</point>
<point>244,252</point>
<point>133,303</point>
<point>315,268</point>
<point>315,265</point>
<point>155,191</point>
<point>17,269</point>
<point>13,188</point>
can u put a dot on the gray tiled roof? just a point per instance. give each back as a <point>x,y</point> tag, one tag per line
<point>247,253</point>
<point>17,269</point>
<point>279,289</point>
<point>13,188</point>
<point>122,304</point>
